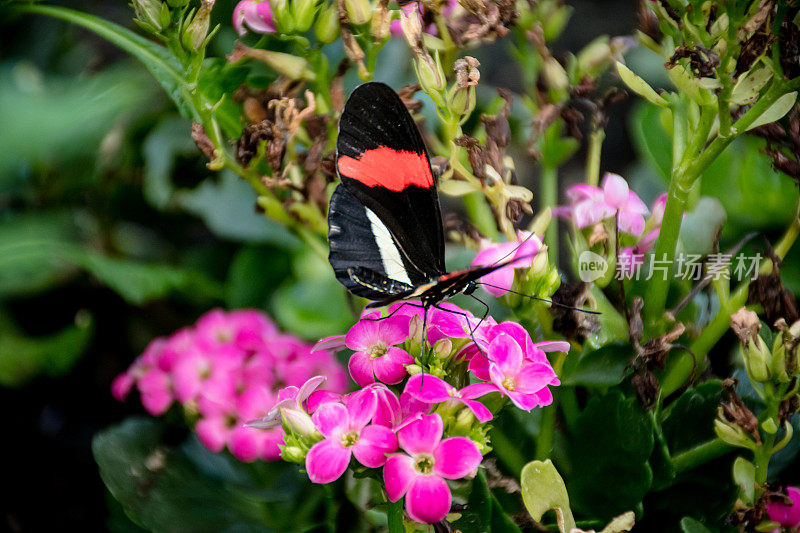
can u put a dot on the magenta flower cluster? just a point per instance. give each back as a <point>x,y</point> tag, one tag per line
<point>589,205</point>
<point>223,371</point>
<point>419,418</point>
<point>787,514</point>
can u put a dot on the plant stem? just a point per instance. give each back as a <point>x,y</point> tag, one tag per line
<point>395,516</point>
<point>699,455</point>
<point>548,190</point>
<point>681,369</point>
<point>658,286</point>
<point>508,452</point>
<point>544,444</point>
<point>593,156</point>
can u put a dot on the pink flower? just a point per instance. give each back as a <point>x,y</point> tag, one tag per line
<point>420,473</point>
<point>432,389</point>
<point>227,368</point>
<point>788,516</point>
<point>589,205</point>
<point>523,380</point>
<point>376,355</point>
<point>346,433</point>
<point>290,408</point>
<point>255,14</point>
<point>388,411</point>
<point>525,248</point>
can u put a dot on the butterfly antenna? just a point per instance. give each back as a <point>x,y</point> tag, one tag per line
<point>551,302</point>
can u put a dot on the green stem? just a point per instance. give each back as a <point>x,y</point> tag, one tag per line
<point>395,516</point>
<point>763,453</point>
<point>548,192</point>
<point>508,452</point>
<point>681,181</point>
<point>544,444</point>
<point>699,455</point>
<point>568,400</point>
<point>681,369</point>
<point>593,156</point>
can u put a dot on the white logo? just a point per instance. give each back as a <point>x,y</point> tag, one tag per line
<point>591,266</point>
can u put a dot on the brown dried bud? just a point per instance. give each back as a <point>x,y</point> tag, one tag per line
<point>467,73</point>
<point>202,141</point>
<point>647,388</point>
<point>745,324</point>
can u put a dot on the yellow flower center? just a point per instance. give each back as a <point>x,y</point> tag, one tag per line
<point>423,464</point>
<point>378,350</point>
<point>349,439</point>
<point>509,384</point>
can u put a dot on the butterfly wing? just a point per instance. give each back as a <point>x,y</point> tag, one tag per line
<point>382,162</point>
<point>362,251</point>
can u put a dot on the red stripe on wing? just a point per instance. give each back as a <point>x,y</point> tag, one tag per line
<point>384,167</point>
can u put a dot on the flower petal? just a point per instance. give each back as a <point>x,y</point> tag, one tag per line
<point>481,412</point>
<point>533,377</point>
<point>428,499</point>
<point>429,388</point>
<point>398,474</point>
<point>335,343</point>
<point>615,190</point>
<point>506,354</point>
<point>360,409</point>
<point>374,444</point>
<point>331,419</point>
<point>360,366</point>
<point>389,368</point>
<point>422,435</point>
<point>326,461</point>
<point>456,457</point>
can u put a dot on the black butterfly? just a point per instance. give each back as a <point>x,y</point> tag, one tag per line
<point>385,225</point>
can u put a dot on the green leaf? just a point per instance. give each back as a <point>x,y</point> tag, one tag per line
<point>313,306</point>
<point>229,210</point>
<point>744,474</point>
<point>607,453</point>
<point>476,518</point>
<point>162,489</point>
<point>22,358</point>
<point>776,111</point>
<point>141,282</point>
<point>543,490</point>
<point>639,86</point>
<point>165,67</point>
<point>252,276</point>
<point>35,254</point>
<point>161,148</point>
<point>690,420</point>
<point>604,367</point>
<point>690,525</point>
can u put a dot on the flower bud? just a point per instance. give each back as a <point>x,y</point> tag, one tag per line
<point>293,67</point>
<point>431,77</point>
<point>473,6</point>
<point>778,361</point>
<point>593,59</point>
<point>732,434</point>
<point>197,31</point>
<point>756,356</point>
<point>303,12</point>
<point>254,15</point>
<point>554,75</point>
<point>359,11</point>
<point>152,15</point>
<point>442,348</point>
<point>381,20</point>
<point>413,370</point>
<point>327,26</point>
<point>293,454</point>
<point>464,421</point>
<point>297,421</point>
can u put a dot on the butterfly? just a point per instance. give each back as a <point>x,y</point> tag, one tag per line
<point>385,231</point>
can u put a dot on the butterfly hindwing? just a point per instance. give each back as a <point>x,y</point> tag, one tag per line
<point>359,243</point>
<point>383,164</point>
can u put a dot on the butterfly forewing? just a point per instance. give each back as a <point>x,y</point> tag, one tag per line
<point>382,162</point>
